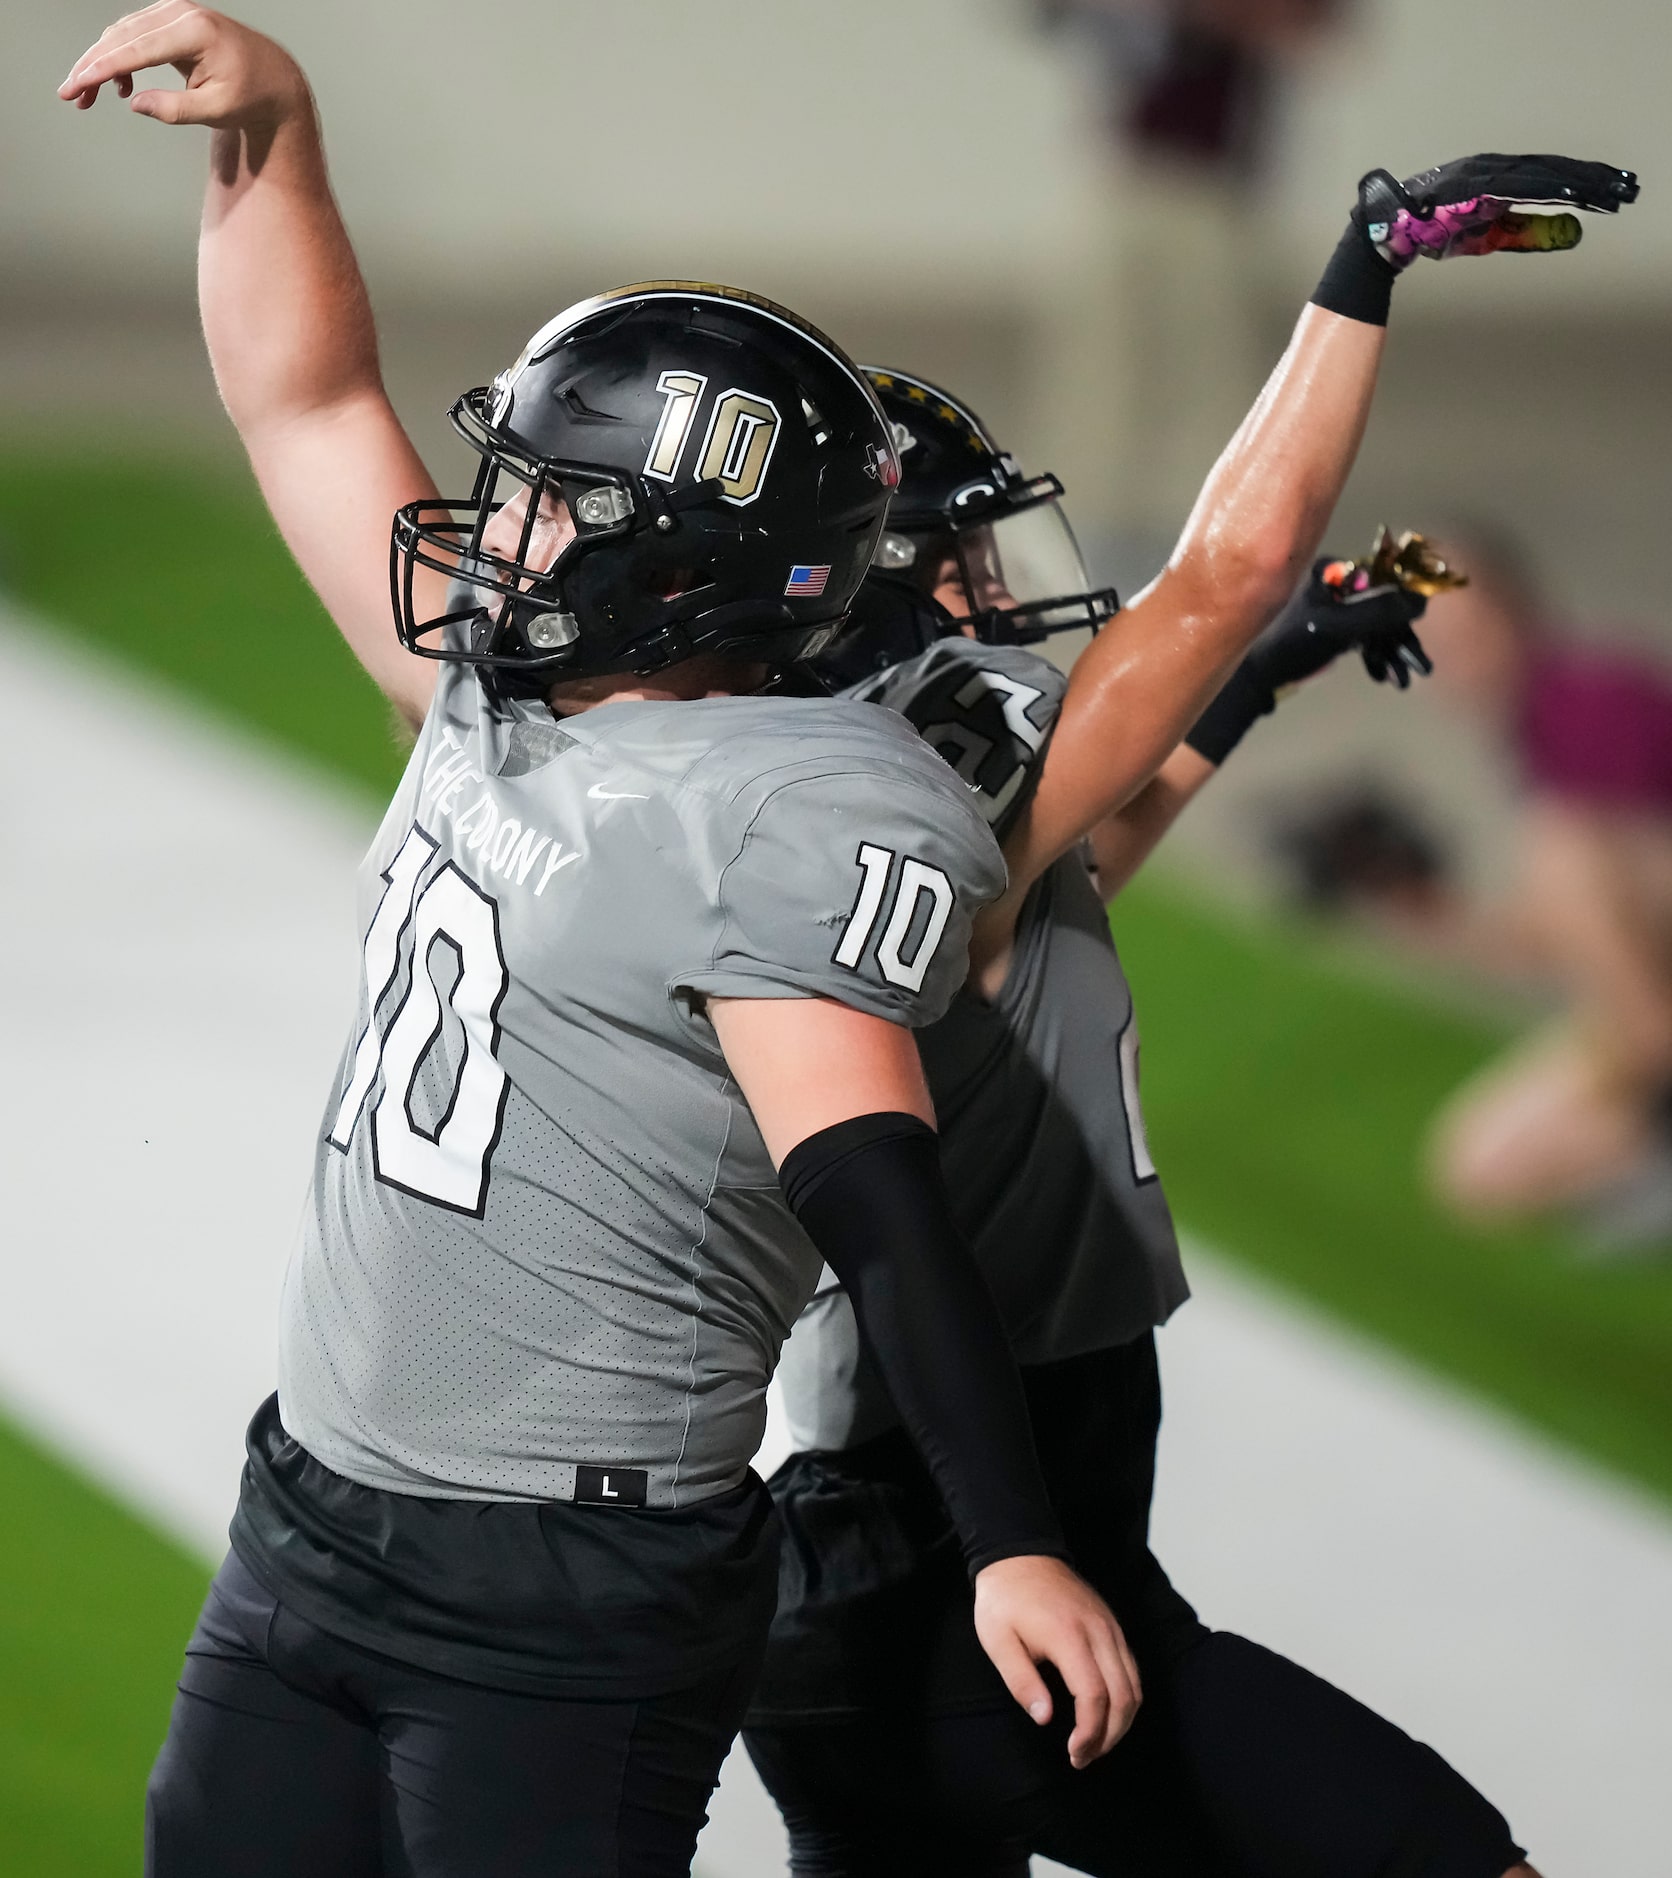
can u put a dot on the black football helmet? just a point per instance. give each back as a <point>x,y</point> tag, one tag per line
<point>889,622</point>
<point>965,508</point>
<point>726,470</point>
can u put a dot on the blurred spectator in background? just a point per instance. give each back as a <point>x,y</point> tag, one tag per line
<point>1192,78</point>
<point>1578,1116</point>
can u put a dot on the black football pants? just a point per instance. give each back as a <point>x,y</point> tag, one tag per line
<point>1240,1765</point>
<point>291,1754</point>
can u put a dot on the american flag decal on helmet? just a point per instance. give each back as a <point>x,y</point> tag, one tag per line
<point>806,583</point>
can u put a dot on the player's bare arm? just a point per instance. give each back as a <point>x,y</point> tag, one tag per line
<point>1148,674</point>
<point>1263,509</point>
<point>866,1065</point>
<point>285,313</point>
<point>1122,842</point>
<point>1028,1609</point>
<point>1370,607</point>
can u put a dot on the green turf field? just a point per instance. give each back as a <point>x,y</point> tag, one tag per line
<point>176,568</point>
<point>1286,1094</point>
<point>94,1610</point>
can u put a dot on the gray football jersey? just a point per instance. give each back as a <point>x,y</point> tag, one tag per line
<point>1042,1135</point>
<point>545,1254</point>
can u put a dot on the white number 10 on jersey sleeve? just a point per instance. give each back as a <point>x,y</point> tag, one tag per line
<point>449,1164</point>
<point>918,882</point>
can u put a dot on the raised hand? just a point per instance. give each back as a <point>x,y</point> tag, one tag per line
<point>285,313</point>
<point>1342,609</point>
<point>1036,1610</point>
<point>1339,608</point>
<point>1473,206</point>
<point>236,78</point>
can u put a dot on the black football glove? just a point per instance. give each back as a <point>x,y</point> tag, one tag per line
<point>1336,610</point>
<point>1465,207</point>
<point>1327,616</point>
<point>1472,206</point>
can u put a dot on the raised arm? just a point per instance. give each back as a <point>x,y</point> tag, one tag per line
<point>285,313</point>
<point>1259,518</point>
<point>1123,841</point>
<point>1343,606</point>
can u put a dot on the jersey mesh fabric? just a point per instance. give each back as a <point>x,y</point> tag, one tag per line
<point>544,1232</point>
<point>987,710</point>
<point>1037,1102</point>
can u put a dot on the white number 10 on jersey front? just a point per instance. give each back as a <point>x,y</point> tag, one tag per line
<point>449,1163</point>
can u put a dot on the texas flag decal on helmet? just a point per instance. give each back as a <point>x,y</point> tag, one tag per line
<point>883,466</point>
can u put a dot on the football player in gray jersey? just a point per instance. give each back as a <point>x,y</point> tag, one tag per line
<point>643,944</point>
<point>876,1726</point>
<point>374,1644</point>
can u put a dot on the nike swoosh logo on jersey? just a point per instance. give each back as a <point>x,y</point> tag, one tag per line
<point>600,794</point>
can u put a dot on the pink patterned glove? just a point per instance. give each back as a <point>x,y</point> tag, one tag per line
<point>1472,206</point>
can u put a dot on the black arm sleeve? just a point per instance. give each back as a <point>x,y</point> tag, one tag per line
<point>872,1198</point>
<point>1358,283</point>
<point>1231,713</point>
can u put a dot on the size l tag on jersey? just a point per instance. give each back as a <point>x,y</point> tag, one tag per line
<point>611,1486</point>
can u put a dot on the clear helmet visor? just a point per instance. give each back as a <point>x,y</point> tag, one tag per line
<point>1025,558</point>
<point>1026,566</point>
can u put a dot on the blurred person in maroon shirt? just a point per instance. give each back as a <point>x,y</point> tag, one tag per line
<point>1578,1116</point>
<point>1193,81</point>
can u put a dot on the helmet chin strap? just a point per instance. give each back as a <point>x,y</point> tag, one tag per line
<point>797,680</point>
<point>505,683</point>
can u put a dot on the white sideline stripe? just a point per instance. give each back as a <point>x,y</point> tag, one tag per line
<point>175,985</point>
<point>1491,1594</point>
<point>177,978</point>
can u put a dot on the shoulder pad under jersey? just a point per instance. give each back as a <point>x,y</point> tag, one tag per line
<point>853,863</point>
